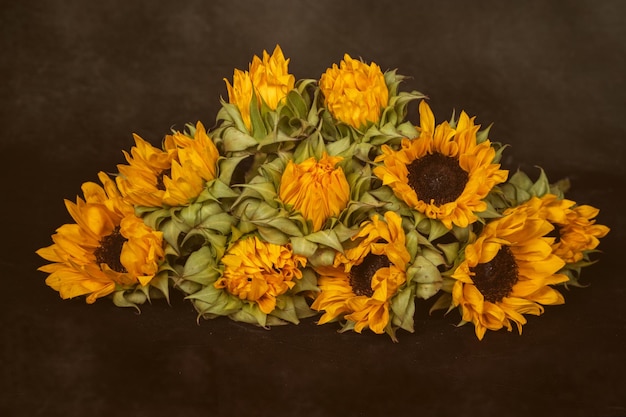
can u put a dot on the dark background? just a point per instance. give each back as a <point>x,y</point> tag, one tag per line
<point>79,77</point>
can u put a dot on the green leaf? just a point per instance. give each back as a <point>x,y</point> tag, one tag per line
<point>256,120</point>
<point>120,300</point>
<point>302,307</point>
<point>426,276</point>
<point>215,301</point>
<point>303,246</point>
<point>450,251</point>
<point>339,147</point>
<point>297,103</point>
<point>521,180</point>
<point>236,140</point>
<point>285,309</point>
<point>322,257</point>
<point>161,282</point>
<point>444,302</point>
<point>308,282</point>
<point>263,190</point>
<point>542,186</point>
<point>483,134</point>
<point>283,224</point>
<point>272,235</point>
<point>250,313</point>
<point>327,238</point>
<point>200,267</point>
<point>403,307</point>
<point>231,115</point>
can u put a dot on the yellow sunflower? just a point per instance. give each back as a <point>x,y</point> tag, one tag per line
<point>354,92</point>
<point>259,272</point>
<point>317,189</point>
<point>107,249</point>
<point>172,176</point>
<point>268,78</point>
<point>444,173</point>
<point>508,271</point>
<point>240,94</point>
<point>361,282</point>
<point>271,78</point>
<point>575,227</point>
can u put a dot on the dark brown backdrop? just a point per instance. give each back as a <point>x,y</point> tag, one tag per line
<point>79,77</point>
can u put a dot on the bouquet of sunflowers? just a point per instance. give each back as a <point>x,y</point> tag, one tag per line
<point>318,197</point>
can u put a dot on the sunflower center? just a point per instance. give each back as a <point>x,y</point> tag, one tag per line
<point>110,250</point>
<point>160,185</point>
<point>437,177</point>
<point>495,279</point>
<point>361,275</point>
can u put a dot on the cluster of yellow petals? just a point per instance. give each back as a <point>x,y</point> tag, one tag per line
<point>354,92</point>
<point>75,269</point>
<point>524,232</point>
<point>317,189</point>
<point>459,143</point>
<point>576,225</point>
<point>172,176</point>
<point>268,78</point>
<point>337,298</point>
<point>259,272</point>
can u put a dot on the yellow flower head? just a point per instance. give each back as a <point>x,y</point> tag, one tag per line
<point>444,173</point>
<point>362,280</point>
<point>317,189</point>
<point>575,227</point>
<point>240,94</point>
<point>355,93</point>
<point>268,78</point>
<point>259,272</point>
<point>508,271</point>
<point>172,176</point>
<point>108,248</point>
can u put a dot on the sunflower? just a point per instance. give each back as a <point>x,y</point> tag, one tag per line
<point>267,78</point>
<point>259,272</point>
<point>444,173</point>
<point>172,176</point>
<point>107,249</point>
<point>355,93</point>
<point>271,78</point>
<point>317,189</point>
<point>240,94</point>
<point>362,281</point>
<point>575,227</point>
<point>508,271</point>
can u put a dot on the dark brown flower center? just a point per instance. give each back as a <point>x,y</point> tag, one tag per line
<point>110,250</point>
<point>437,177</point>
<point>160,185</point>
<point>496,278</point>
<point>361,275</point>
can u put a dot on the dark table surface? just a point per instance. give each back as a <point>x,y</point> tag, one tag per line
<point>78,78</point>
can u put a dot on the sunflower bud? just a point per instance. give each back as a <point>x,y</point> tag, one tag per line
<point>317,189</point>
<point>355,93</point>
<point>259,272</point>
<point>271,78</point>
<point>267,82</point>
